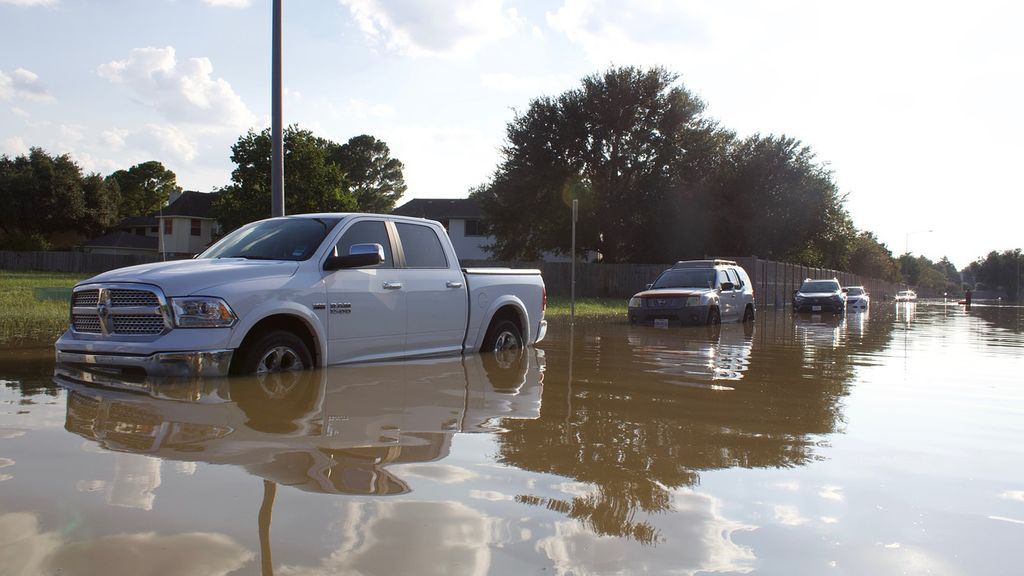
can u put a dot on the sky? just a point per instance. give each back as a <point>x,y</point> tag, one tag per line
<point>916,107</point>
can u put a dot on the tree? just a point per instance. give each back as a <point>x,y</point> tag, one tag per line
<point>631,145</point>
<point>375,177</point>
<point>872,259</point>
<point>41,195</point>
<point>772,198</point>
<point>315,178</point>
<point>144,188</point>
<point>999,271</point>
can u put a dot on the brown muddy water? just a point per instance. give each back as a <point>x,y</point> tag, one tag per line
<point>888,443</point>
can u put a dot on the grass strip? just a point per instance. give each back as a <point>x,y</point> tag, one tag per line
<point>33,308</point>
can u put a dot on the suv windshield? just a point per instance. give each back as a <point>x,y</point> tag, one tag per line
<point>686,279</point>
<point>820,286</point>
<point>278,239</point>
<point>855,291</point>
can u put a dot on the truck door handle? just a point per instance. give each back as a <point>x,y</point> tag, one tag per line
<point>453,284</point>
<point>392,285</point>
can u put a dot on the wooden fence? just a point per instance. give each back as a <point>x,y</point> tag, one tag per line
<point>774,282</point>
<point>71,262</point>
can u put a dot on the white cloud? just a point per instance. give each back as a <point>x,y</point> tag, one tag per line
<point>228,3</point>
<point>443,28</point>
<point>14,146</point>
<point>363,109</point>
<point>181,92</point>
<point>164,141</point>
<point>24,84</point>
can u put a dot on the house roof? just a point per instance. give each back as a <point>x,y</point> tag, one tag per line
<point>440,208</point>
<point>191,204</point>
<point>121,239</point>
<point>133,221</point>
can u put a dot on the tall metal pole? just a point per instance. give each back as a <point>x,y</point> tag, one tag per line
<point>277,141</point>
<point>572,282</point>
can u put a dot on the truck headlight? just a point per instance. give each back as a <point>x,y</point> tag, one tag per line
<point>634,302</point>
<point>692,301</point>
<point>202,312</point>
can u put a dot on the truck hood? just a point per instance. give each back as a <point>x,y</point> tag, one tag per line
<point>186,277</point>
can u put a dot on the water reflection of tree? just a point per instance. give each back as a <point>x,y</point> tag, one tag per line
<point>29,370</point>
<point>635,432</point>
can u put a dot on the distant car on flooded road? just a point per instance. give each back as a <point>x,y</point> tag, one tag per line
<point>857,298</point>
<point>820,296</point>
<point>696,292</point>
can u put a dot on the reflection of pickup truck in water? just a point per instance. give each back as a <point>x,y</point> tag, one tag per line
<point>302,291</point>
<point>331,430</point>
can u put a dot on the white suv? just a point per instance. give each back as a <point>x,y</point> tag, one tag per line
<point>696,292</point>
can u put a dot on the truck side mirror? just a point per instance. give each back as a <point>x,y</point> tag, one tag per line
<point>359,255</point>
<point>728,286</point>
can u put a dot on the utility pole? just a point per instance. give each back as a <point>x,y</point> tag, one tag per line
<point>276,137</point>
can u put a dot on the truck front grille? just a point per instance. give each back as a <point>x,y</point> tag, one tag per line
<point>119,310</point>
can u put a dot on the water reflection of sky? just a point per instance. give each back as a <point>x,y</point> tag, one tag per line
<point>878,443</point>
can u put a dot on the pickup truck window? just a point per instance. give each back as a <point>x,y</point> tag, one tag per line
<point>421,246</point>
<point>367,232</point>
<point>276,239</point>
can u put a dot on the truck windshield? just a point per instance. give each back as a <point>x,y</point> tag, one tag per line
<point>686,279</point>
<point>277,239</point>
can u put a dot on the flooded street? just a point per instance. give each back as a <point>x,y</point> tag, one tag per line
<point>881,443</point>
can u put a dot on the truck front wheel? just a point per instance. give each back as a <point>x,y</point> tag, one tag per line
<point>276,351</point>
<point>502,336</point>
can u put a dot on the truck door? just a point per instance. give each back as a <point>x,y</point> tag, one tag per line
<point>367,306</point>
<point>436,292</point>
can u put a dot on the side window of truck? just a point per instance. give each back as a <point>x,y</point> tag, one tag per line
<point>734,278</point>
<point>367,232</point>
<point>421,246</point>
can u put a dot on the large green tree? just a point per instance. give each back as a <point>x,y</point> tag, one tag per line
<point>43,195</point>
<point>631,145</point>
<point>316,177</point>
<point>999,271</point>
<point>773,199</point>
<point>872,259</point>
<point>375,177</point>
<point>144,188</point>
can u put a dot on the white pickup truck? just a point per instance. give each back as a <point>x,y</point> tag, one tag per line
<point>301,291</point>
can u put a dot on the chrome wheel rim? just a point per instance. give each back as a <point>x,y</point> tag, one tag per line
<point>506,340</point>
<point>279,359</point>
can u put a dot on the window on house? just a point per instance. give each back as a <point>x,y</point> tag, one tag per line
<point>197,227</point>
<point>140,231</point>
<point>153,229</point>
<point>476,227</point>
<point>168,226</point>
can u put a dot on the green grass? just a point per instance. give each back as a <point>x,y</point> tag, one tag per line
<point>34,306</point>
<point>604,309</point>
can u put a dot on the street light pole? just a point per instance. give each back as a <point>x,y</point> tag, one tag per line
<point>276,137</point>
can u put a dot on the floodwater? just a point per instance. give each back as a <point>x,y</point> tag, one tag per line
<point>882,443</point>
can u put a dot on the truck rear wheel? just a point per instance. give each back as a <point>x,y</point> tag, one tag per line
<point>276,351</point>
<point>502,336</point>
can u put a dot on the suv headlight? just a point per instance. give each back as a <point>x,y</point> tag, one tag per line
<point>634,302</point>
<point>202,312</point>
<point>692,301</point>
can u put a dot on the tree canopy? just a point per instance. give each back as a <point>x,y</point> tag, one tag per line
<point>319,176</point>
<point>44,194</point>
<point>143,188</point>
<point>657,181</point>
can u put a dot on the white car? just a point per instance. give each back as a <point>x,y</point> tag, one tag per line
<point>857,297</point>
<point>696,292</point>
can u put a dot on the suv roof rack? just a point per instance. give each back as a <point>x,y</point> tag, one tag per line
<point>703,263</point>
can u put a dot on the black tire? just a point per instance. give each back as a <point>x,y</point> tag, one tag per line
<point>276,351</point>
<point>748,314</point>
<point>714,316</point>
<point>503,337</point>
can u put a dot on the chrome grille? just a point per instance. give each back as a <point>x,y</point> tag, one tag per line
<point>138,324</point>
<point>86,298</point>
<point>89,323</point>
<point>663,302</point>
<point>113,310</point>
<point>133,298</point>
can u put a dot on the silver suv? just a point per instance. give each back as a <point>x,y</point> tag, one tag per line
<point>696,292</point>
<point>820,296</point>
